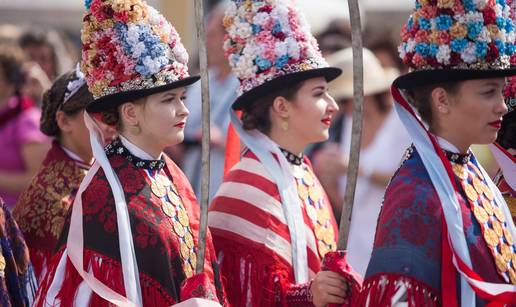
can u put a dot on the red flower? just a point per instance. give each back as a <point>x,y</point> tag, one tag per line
<point>455,58</point>
<point>96,195</point>
<point>432,61</point>
<point>492,52</point>
<point>489,16</point>
<point>449,12</point>
<point>132,181</point>
<point>122,16</point>
<point>266,8</point>
<point>407,60</point>
<point>280,35</point>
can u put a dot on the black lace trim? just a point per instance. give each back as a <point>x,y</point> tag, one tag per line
<point>457,158</point>
<point>292,158</point>
<point>117,148</point>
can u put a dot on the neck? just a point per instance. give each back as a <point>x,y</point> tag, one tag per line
<point>145,144</point>
<point>286,141</point>
<point>85,155</point>
<point>456,141</point>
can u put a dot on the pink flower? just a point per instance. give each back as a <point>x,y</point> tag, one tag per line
<point>268,25</point>
<point>264,37</point>
<point>443,37</point>
<point>418,60</point>
<point>428,12</point>
<point>422,36</point>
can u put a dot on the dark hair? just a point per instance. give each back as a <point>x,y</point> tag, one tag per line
<point>257,116</point>
<point>384,43</point>
<point>381,102</point>
<point>112,116</point>
<point>53,102</point>
<point>39,38</point>
<point>420,98</point>
<point>507,134</point>
<point>11,62</point>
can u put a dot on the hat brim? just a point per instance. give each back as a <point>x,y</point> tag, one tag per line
<point>427,77</point>
<point>247,98</point>
<point>112,101</point>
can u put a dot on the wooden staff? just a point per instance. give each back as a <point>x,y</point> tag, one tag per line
<point>356,134</point>
<point>205,169</point>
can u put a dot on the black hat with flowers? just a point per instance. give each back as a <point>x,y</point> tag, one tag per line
<point>455,40</point>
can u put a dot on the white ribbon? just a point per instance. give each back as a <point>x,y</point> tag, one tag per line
<point>264,148</point>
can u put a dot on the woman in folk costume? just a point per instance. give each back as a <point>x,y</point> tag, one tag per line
<point>132,235</point>
<point>504,149</point>
<point>271,220</point>
<point>18,283</point>
<point>445,236</point>
<point>43,207</point>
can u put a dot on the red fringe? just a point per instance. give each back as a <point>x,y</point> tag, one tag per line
<point>39,259</point>
<point>247,269</point>
<point>379,290</point>
<point>106,270</point>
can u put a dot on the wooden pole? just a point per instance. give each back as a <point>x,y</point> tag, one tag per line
<point>205,169</point>
<point>356,134</point>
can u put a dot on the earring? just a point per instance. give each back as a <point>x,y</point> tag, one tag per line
<point>135,129</point>
<point>284,125</point>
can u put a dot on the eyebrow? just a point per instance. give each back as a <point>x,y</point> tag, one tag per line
<point>493,84</point>
<point>321,87</point>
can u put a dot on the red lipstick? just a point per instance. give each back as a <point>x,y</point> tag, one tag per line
<point>180,125</point>
<point>496,124</point>
<point>326,121</point>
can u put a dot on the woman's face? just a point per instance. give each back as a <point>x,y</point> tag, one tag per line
<point>476,110</point>
<point>162,118</point>
<point>310,114</point>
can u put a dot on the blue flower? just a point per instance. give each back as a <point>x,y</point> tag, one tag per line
<point>282,61</point>
<point>500,45</point>
<point>423,49</point>
<point>424,24</point>
<point>503,3</point>
<point>458,44</point>
<point>500,22</point>
<point>418,5</point>
<point>276,28</point>
<point>433,49</point>
<point>262,63</point>
<point>443,22</point>
<point>469,6</point>
<point>509,25</point>
<point>410,23</point>
<point>256,29</point>
<point>474,29</point>
<point>480,49</point>
<point>87,3</point>
<point>510,49</point>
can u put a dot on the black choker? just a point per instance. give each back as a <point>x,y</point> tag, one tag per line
<point>457,158</point>
<point>117,148</point>
<point>292,158</point>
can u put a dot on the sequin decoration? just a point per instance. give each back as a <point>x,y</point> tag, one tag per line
<point>311,195</point>
<point>172,207</point>
<point>491,218</point>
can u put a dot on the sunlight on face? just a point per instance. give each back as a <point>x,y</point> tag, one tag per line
<point>312,110</point>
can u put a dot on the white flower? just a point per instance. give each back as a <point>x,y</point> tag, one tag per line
<point>443,55</point>
<point>506,12</point>
<point>498,10</point>
<point>484,36</point>
<point>152,65</point>
<point>293,48</point>
<point>138,49</point>
<point>473,17</point>
<point>433,24</point>
<point>468,55</point>
<point>260,18</point>
<point>231,9</point>
<point>401,50</point>
<point>251,50</point>
<point>502,35</point>
<point>480,4</point>
<point>154,16</point>
<point>411,45</point>
<point>133,35</point>
<point>180,53</point>
<point>243,29</point>
<point>245,68</point>
<point>511,36</point>
<point>281,49</point>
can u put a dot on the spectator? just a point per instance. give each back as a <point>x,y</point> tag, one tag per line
<point>23,145</point>
<point>223,87</point>
<point>383,142</point>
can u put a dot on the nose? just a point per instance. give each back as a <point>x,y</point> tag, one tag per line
<point>332,105</point>
<point>501,108</point>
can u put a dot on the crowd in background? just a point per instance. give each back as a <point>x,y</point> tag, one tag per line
<point>31,60</point>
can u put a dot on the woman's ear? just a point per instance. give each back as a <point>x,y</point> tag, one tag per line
<point>441,100</point>
<point>129,113</point>
<point>63,122</point>
<point>281,107</point>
